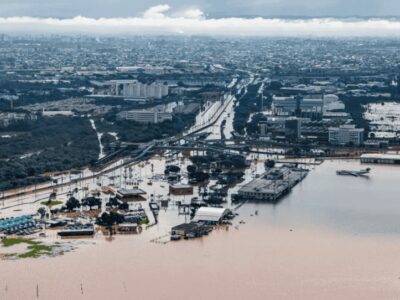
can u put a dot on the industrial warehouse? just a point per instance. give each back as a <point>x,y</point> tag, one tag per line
<point>273,184</point>
<point>202,223</point>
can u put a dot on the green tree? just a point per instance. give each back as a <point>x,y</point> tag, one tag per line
<point>72,204</point>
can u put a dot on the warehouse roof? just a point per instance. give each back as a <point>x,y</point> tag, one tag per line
<point>210,214</point>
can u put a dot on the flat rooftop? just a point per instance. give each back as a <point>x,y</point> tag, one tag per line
<point>265,186</point>
<point>273,181</point>
<point>381,156</point>
<point>131,192</point>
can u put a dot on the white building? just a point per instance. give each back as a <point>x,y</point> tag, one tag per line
<point>381,158</point>
<point>284,104</point>
<point>345,135</point>
<point>308,107</point>
<point>212,215</point>
<point>146,116</point>
<point>136,89</point>
<point>8,118</point>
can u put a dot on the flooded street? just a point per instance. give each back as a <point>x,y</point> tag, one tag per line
<point>332,237</point>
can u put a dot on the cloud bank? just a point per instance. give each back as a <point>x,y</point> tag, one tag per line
<point>158,20</point>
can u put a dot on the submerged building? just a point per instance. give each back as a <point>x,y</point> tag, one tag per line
<point>273,184</point>
<point>380,158</point>
<point>211,215</point>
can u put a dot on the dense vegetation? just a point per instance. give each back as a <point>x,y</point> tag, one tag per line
<point>130,131</point>
<point>247,103</point>
<point>33,92</point>
<point>252,128</point>
<point>107,140</point>
<point>45,145</point>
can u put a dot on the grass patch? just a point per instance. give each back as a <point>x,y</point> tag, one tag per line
<point>144,221</point>
<point>8,242</point>
<point>34,249</point>
<point>51,203</point>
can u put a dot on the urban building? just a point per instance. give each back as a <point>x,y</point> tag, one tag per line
<point>181,189</point>
<point>379,158</point>
<point>145,116</point>
<point>345,135</point>
<point>293,128</point>
<point>298,106</point>
<point>8,118</point>
<point>137,90</point>
<point>192,229</point>
<point>211,215</point>
<point>289,127</point>
<point>127,195</point>
<point>273,184</point>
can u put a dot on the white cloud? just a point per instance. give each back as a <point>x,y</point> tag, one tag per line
<point>193,13</point>
<point>156,12</point>
<point>155,20</point>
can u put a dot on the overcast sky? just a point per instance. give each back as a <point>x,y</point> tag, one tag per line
<point>212,8</point>
<point>201,17</point>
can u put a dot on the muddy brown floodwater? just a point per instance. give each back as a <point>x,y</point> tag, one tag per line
<point>333,237</point>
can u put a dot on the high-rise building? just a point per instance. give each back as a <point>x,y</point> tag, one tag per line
<point>293,128</point>
<point>345,135</point>
<point>137,89</point>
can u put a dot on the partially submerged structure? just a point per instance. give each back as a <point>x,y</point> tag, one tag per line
<point>212,215</point>
<point>273,184</point>
<point>381,158</point>
<point>130,195</point>
<point>189,230</point>
<point>127,228</point>
<point>181,189</point>
<point>202,222</point>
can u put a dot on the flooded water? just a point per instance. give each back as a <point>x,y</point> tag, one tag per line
<point>99,136</point>
<point>332,237</point>
<point>384,119</point>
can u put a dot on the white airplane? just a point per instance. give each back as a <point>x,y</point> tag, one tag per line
<point>363,172</point>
